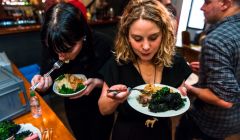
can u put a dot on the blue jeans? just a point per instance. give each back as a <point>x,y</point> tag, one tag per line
<point>188,130</point>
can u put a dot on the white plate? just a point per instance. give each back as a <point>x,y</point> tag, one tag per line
<point>192,79</point>
<point>28,126</point>
<point>72,94</point>
<point>133,102</point>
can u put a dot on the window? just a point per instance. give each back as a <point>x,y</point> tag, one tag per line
<point>196,18</point>
<point>191,17</point>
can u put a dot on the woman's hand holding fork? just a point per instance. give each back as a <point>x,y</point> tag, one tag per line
<point>43,82</point>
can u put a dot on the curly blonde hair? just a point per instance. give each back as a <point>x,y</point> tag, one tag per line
<point>154,11</point>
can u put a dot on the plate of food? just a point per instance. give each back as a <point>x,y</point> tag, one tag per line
<point>192,79</point>
<point>159,100</point>
<point>68,85</point>
<point>11,131</point>
<point>28,127</point>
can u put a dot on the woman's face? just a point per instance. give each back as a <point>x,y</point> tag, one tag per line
<point>72,53</point>
<point>145,38</point>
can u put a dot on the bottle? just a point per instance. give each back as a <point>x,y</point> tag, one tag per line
<point>35,105</point>
<point>111,13</point>
<point>89,15</point>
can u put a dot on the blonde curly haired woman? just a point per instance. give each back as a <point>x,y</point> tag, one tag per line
<point>144,54</point>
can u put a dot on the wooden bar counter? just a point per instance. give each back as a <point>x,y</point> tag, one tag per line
<point>103,22</point>
<point>48,120</point>
<point>19,29</point>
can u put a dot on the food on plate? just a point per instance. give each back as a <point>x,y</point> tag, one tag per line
<point>69,83</point>
<point>151,88</point>
<point>11,131</point>
<point>161,99</point>
<point>145,98</point>
<point>165,100</point>
<point>7,129</point>
<point>67,61</point>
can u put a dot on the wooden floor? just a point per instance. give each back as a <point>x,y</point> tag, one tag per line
<point>57,105</point>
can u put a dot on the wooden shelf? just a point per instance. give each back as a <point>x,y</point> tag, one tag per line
<point>103,21</point>
<point>19,29</point>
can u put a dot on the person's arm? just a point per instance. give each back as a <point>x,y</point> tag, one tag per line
<point>108,102</point>
<point>195,66</point>
<point>217,72</point>
<point>207,96</point>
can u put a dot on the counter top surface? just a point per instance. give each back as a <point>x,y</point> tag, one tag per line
<point>48,120</point>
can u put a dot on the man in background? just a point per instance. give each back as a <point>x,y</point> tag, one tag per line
<point>171,8</point>
<point>215,113</point>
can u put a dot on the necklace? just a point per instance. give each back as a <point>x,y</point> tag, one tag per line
<point>141,72</point>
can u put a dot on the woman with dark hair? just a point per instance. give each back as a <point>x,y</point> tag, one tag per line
<point>66,36</point>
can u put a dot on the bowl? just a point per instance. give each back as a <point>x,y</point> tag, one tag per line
<point>56,90</point>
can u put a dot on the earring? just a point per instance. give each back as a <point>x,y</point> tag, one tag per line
<point>85,38</point>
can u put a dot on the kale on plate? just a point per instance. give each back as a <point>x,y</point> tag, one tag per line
<point>7,129</point>
<point>165,100</point>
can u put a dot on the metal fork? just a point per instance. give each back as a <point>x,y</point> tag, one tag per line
<point>141,90</point>
<point>47,134</point>
<point>116,91</point>
<point>56,65</point>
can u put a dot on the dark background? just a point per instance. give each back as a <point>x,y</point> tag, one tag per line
<point>24,49</point>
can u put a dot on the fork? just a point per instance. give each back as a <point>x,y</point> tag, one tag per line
<point>56,65</point>
<point>141,90</point>
<point>47,134</point>
<point>116,91</point>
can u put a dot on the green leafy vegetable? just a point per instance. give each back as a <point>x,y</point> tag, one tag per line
<point>80,87</point>
<point>164,100</point>
<point>7,129</point>
<point>66,90</point>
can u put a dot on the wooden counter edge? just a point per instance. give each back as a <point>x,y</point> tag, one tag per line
<point>20,29</point>
<point>52,118</point>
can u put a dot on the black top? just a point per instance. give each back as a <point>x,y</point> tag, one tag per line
<point>82,113</point>
<point>128,75</point>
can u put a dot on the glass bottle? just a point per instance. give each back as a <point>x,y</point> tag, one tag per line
<point>111,13</point>
<point>35,105</point>
<point>89,15</point>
